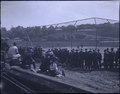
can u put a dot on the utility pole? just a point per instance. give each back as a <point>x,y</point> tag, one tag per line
<point>96,32</point>
<point>112,33</point>
<point>71,35</point>
<point>71,39</point>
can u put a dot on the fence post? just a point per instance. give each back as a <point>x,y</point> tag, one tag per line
<point>71,34</point>
<point>96,32</point>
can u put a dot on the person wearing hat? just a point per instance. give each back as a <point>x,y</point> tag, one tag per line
<point>28,59</point>
<point>86,58</point>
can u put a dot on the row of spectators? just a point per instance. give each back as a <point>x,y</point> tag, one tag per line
<point>91,59</point>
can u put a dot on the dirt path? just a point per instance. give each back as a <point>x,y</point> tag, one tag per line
<point>102,81</point>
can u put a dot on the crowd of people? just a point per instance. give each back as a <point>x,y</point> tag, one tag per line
<point>86,59</point>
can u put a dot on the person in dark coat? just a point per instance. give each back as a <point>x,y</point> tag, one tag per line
<point>106,59</point>
<point>99,58</point>
<point>86,59</point>
<point>90,59</point>
<point>76,57</point>
<point>72,58</point>
<point>28,59</point>
<point>45,63</point>
<point>95,63</point>
<point>81,59</point>
<point>111,58</point>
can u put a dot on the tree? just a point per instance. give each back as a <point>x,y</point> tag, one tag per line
<point>44,30</point>
<point>51,29</point>
<point>70,28</point>
<point>4,32</point>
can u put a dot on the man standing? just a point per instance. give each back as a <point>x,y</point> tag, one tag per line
<point>81,58</point>
<point>95,63</point>
<point>99,58</point>
<point>111,58</point>
<point>90,59</point>
<point>28,58</point>
<point>86,59</point>
<point>106,58</point>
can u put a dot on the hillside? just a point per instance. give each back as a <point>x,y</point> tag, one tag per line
<point>104,34</point>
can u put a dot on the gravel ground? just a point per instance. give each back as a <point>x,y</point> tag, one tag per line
<point>102,81</point>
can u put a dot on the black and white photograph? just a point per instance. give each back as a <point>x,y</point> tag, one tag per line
<point>60,47</point>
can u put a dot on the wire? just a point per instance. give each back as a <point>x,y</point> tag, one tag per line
<point>29,38</point>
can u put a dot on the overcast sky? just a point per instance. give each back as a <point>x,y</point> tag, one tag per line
<point>36,13</point>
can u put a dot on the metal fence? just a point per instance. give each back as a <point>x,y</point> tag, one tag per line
<point>92,32</point>
<point>95,32</point>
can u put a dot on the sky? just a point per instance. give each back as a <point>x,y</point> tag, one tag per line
<point>37,13</point>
